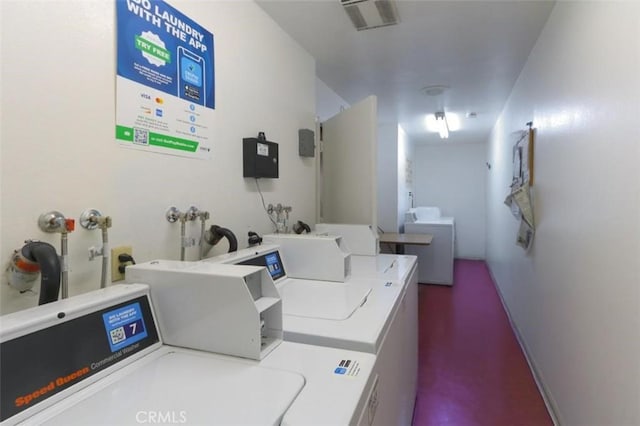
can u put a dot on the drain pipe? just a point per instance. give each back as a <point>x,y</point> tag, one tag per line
<point>47,258</point>
<point>229,235</point>
<point>34,257</point>
<point>300,227</point>
<point>215,234</point>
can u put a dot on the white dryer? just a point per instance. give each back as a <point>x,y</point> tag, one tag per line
<point>99,358</point>
<point>435,261</point>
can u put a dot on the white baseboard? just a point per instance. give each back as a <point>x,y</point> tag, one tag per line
<point>546,396</point>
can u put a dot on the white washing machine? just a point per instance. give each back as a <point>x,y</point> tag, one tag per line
<point>99,358</point>
<point>401,268</point>
<point>435,261</point>
<point>367,262</point>
<point>372,314</point>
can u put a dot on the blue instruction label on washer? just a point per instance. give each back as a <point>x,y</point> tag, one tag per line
<point>124,326</point>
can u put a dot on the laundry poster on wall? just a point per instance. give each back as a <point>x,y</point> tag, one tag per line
<point>165,82</point>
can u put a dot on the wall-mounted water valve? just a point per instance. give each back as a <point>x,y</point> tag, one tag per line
<point>174,215</point>
<point>53,222</point>
<point>280,216</point>
<point>192,213</point>
<point>91,219</point>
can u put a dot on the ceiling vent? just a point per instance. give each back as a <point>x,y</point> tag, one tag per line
<point>367,14</point>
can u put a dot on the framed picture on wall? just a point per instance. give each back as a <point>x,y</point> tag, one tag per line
<point>530,139</point>
<point>523,159</point>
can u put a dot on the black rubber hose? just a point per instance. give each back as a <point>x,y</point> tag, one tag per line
<point>301,227</point>
<point>218,232</point>
<point>44,254</point>
<point>254,238</point>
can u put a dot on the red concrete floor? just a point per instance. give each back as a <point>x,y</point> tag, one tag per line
<point>472,369</point>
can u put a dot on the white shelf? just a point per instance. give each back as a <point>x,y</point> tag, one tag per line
<point>265,303</point>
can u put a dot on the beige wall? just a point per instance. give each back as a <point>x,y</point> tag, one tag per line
<point>58,150</point>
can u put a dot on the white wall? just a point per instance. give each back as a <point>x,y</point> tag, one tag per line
<point>58,147</point>
<point>575,298</point>
<point>388,177</point>
<point>452,177</point>
<point>328,102</point>
<point>395,153</point>
<point>404,176</point>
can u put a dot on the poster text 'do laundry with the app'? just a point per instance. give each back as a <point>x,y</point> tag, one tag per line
<point>165,83</point>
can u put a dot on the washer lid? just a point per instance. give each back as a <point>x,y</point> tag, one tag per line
<point>323,299</point>
<point>392,267</point>
<point>187,388</point>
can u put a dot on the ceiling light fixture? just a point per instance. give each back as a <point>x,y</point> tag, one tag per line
<point>451,119</point>
<point>434,90</point>
<point>441,122</point>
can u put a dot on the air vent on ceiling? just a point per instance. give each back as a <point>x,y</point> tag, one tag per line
<point>367,14</point>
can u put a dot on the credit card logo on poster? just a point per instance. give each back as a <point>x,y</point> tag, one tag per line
<point>160,47</point>
<point>124,326</point>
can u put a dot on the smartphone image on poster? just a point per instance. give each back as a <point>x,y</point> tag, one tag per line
<point>191,86</point>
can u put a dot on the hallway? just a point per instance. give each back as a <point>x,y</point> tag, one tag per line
<point>472,370</point>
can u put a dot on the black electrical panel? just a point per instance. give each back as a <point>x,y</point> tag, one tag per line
<point>259,158</point>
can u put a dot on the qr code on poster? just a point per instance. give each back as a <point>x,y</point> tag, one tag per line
<point>140,136</point>
<point>117,335</point>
